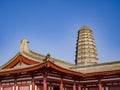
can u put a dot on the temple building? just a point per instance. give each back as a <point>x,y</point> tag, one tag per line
<point>28,70</point>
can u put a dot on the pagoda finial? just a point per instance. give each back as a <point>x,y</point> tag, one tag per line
<point>23,45</point>
<point>84,27</point>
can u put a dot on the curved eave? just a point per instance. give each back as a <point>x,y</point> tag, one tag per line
<point>49,64</point>
<point>102,73</point>
<point>39,66</point>
<point>19,70</point>
<point>16,59</point>
<point>64,70</point>
<point>11,60</point>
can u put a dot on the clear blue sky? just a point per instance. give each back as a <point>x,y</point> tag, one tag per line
<point>52,25</point>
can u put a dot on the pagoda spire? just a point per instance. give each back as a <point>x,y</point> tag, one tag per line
<point>86,53</point>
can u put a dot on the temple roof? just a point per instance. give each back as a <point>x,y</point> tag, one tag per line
<point>28,60</point>
<point>29,54</point>
<point>47,64</point>
<point>102,67</point>
<point>50,64</point>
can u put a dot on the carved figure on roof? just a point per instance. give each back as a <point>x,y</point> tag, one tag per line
<point>23,45</point>
<point>47,57</point>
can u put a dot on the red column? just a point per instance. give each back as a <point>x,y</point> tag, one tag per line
<point>84,87</point>
<point>33,84</point>
<point>61,84</point>
<point>44,82</point>
<point>15,84</point>
<point>104,87</point>
<point>100,85</point>
<point>50,86</point>
<point>79,86</point>
<point>74,85</point>
<point>0,85</point>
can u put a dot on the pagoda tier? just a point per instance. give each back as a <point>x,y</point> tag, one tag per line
<point>86,53</point>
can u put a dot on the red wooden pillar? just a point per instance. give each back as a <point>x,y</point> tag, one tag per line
<point>79,86</point>
<point>61,84</point>
<point>100,85</point>
<point>33,84</point>
<point>104,86</point>
<point>15,84</point>
<point>44,82</point>
<point>0,85</point>
<point>84,87</point>
<point>74,85</point>
<point>50,86</point>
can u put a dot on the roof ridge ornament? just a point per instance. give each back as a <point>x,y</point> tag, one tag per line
<point>47,57</point>
<point>23,45</point>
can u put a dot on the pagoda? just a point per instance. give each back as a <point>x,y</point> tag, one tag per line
<point>86,53</point>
